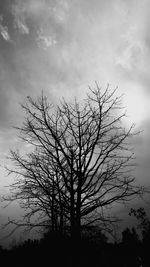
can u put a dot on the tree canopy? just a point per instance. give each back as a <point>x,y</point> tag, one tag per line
<point>79,164</point>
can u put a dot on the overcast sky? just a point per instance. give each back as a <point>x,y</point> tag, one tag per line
<point>61,47</point>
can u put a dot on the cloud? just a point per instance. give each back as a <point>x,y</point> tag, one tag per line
<point>19,19</point>
<point>46,30</point>
<point>4,30</point>
<point>45,41</point>
<point>21,26</point>
<point>82,42</point>
<point>133,53</point>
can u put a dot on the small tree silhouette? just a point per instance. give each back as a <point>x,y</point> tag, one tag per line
<point>80,162</point>
<point>144,222</point>
<point>130,237</point>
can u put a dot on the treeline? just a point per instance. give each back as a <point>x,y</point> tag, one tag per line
<point>93,250</point>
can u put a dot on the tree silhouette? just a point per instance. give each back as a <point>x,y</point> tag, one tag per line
<point>144,222</point>
<point>130,237</point>
<point>79,162</point>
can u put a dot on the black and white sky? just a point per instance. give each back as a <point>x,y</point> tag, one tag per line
<point>61,47</point>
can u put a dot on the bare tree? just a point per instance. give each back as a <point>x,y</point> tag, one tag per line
<point>80,161</point>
